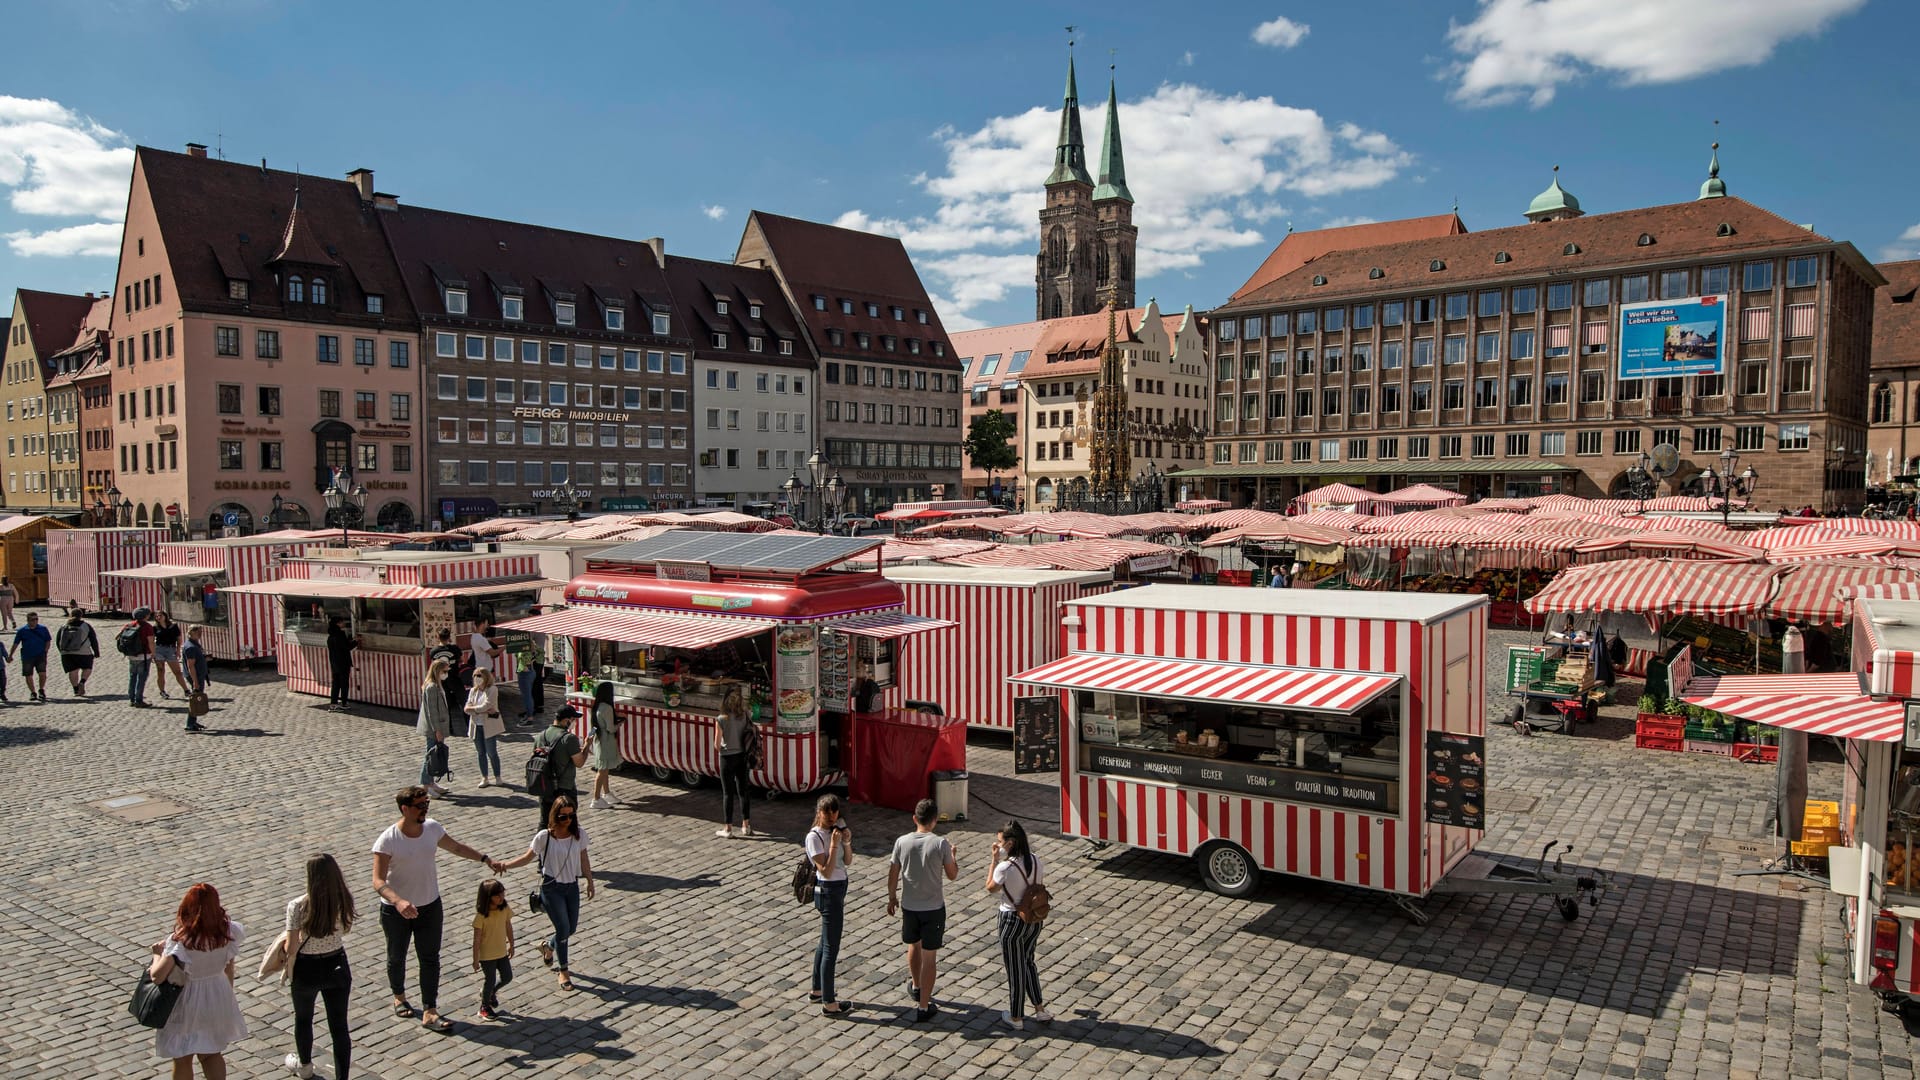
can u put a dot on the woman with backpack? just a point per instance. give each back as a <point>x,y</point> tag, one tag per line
<point>434,723</point>
<point>1013,871</point>
<point>79,646</point>
<point>732,736</point>
<point>606,745</point>
<point>483,710</point>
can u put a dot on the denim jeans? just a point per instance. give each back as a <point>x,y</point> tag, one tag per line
<point>562,901</point>
<point>137,668</point>
<point>526,690</point>
<point>426,763</point>
<point>484,747</point>
<point>830,900</point>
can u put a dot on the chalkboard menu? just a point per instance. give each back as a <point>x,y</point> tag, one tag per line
<point>1036,734</point>
<point>1456,780</point>
<point>1245,779</point>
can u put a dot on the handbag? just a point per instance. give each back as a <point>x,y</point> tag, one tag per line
<point>534,903</point>
<point>277,957</point>
<point>153,1002</point>
<point>197,704</point>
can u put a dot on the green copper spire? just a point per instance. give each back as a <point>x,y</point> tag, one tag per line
<point>1714,188</point>
<point>1113,166</point>
<point>1070,156</point>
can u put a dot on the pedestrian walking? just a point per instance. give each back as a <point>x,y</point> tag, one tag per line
<point>340,646</point>
<point>561,851</point>
<point>565,754</point>
<point>407,881</point>
<point>731,732</point>
<point>79,646</point>
<point>916,892</point>
<point>606,745</point>
<point>1011,870</point>
<point>8,597</point>
<point>317,924</point>
<point>31,643</point>
<point>206,1017</point>
<point>193,657</point>
<point>166,653</point>
<point>830,846</point>
<point>483,715</point>
<point>435,723</point>
<point>135,641</point>
<point>492,945</point>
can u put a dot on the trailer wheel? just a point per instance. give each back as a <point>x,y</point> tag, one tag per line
<point>662,773</point>
<point>1227,869</point>
<point>1569,907</point>
<point>691,778</point>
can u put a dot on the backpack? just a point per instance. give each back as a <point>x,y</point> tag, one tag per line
<point>803,876</point>
<point>438,764</point>
<point>1035,901</point>
<point>541,777</point>
<point>73,638</point>
<point>128,641</point>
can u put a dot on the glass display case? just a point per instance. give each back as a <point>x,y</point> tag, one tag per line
<point>197,598</point>
<point>307,616</point>
<point>390,625</point>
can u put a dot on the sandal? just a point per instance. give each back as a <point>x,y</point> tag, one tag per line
<point>439,1025</point>
<point>403,1010</point>
<point>845,1007</point>
<point>546,955</point>
<point>565,982</point>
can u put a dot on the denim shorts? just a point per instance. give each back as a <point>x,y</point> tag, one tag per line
<point>166,652</point>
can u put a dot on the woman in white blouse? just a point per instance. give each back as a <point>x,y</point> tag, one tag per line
<point>483,709</point>
<point>561,849</point>
<point>317,925</point>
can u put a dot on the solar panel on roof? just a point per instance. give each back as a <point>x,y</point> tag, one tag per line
<point>737,551</point>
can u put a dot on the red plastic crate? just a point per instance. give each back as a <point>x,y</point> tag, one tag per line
<point>1762,753</point>
<point>1659,742</point>
<point>1662,724</point>
<point>1704,746</point>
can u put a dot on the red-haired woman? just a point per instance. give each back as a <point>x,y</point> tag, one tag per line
<point>206,1019</point>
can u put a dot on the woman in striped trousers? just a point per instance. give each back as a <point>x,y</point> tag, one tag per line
<point>1012,868</point>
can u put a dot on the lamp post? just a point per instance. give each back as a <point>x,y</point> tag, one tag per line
<point>126,512</point>
<point>346,504</point>
<point>1641,483</point>
<point>273,516</point>
<point>1727,485</point>
<point>568,496</point>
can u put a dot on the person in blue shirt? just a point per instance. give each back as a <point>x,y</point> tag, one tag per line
<point>31,643</point>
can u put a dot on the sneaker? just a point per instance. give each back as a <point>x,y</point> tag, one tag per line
<point>295,1066</point>
<point>724,834</point>
<point>486,1014</point>
<point>921,1016</point>
<point>913,992</point>
<point>1012,1021</point>
<point>437,790</point>
<point>484,782</point>
<point>193,727</point>
<point>1041,1015</point>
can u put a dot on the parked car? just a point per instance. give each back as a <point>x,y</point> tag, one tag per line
<point>855,524</point>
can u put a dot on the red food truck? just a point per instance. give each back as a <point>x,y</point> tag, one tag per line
<point>815,646</point>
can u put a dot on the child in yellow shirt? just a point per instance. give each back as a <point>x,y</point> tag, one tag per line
<point>492,944</point>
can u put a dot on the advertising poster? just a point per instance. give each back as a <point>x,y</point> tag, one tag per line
<point>1456,780</point>
<point>797,682</point>
<point>1673,337</point>
<point>1036,734</point>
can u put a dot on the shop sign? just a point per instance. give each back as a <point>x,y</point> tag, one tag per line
<point>636,503</point>
<point>599,592</point>
<point>385,431</point>
<point>796,687</point>
<point>887,476</point>
<point>1456,780</point>
<point>384,485</point>
<point>1036,734</point>
<point>519,645</point>
<point>552,493</point>
<point>333,571</point>
<point>1151,562</point>
<point>477,507</point>
<point>1523,666</point>
<point>530,413</point>
<point>252,485</point>
<point>723,603</point>
<point>681,570</point>
<point>1241,779</point>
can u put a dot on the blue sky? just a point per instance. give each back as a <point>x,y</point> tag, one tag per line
<point>676,119</point>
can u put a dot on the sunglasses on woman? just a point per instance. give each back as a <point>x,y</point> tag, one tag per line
<point>562,817</point>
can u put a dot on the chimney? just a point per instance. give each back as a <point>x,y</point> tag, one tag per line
<point>195,149</point>
<point>363,182</point>
<point>659,247</point>
<point>384,201</point>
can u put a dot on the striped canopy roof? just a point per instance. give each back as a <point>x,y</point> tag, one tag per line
<point>1661,586</point>
<point>1826,704</point>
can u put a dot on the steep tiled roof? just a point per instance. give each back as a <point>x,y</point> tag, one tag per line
<point>698,284</point>
<point>53,320</point>
<point>1297,248</point>
<point>89,345</point>
<point>826,260</point>
<point>1689,230</point>
<point>1896,316</point>
<point>222,218</point>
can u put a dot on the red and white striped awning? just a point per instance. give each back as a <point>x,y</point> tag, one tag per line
<point>642,628</point>
<point>372,590</point>
<point>1662,587</point>
<point>163,572</point>
<point>888,624</point>
<point>1832,704</point>
<point>1314,689</point>
<point>1814,591</point>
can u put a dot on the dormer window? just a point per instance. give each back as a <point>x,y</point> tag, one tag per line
<point>819,303</point>
<point>753,311</point>
<point>662,323</point>
<point>455,301</point>
<point>836,337</point>
<point>1436,266</point>
<point>1502,257</point>
<point>786,347</point>
<point>940,350</point>
<point>719,307</point>
<point>1375,274</point>
<point>846,307</point>
<point>920,315</point>
<point>376,304</point>
<point>887,342</point>
<point>753,343</point>
<point>719,341</point>
<point>913,345</point>
<point>616,318</point>
<point>296,290</point>
<point>1645,240</point>
<point>563,312</point>
<point>319,290</point>
<point>863,340</point>
<point>873,310</point>
<point>513,308</point>
<point>898,314</point>
<point>238,289</point>
<point>1570,249</point>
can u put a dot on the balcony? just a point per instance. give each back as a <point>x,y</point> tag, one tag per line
<point>1669,406</point>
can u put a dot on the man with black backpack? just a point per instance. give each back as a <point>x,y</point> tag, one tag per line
<point>78,646</point>
<point>135,642</point>
<point>557,752</point>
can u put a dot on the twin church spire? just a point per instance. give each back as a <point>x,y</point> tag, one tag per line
<point>1087,235</point>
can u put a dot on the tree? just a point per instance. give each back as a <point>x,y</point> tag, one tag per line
<point>989,443</point>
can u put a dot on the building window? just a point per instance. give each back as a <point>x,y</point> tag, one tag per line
<point>1560,296</point>
<point>1520,391</point>
<point>327,348</point>
<point>1753,377</point>
<point>1803,270</point>
<point>1626,441</point>
<point>1706,440</point>
<point>1457,305</point>
<point>266,344</point>
<point>1673,284</point>
<point>1490,303</point>
<point>1796,375</point>
<point>1422,352</point>
<point>1455,349</point>
<point>1525,299</point>
<point>1596,292</point>
<point>271,459</point>
<point>226,340</point>
<point>1628,389</point>
<point>1486,348</point>
<point>1634,288</point>
<point>563,312</point>
<point>1486,393</point>
<point>1749,437</point>
<point>1553,443</point>
<point>227,399</point>
<point>455,301</point>
<point>1418,447</point>
<point>1449,446</point>
<point>399,406</point>
<point>1483,446</point>
<point>1795,436</point>
<point>296,290</point>
<point>269,401</point>
<point>1756,276</point>
<point>1387,449</point>
<point>1453,394</point>
<point>1586,443</point>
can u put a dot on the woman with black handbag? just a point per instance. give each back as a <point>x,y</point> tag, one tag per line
<point>561,849</point>
<point>434,723</point>
<point>206,1017</point>
<point>317,921</point>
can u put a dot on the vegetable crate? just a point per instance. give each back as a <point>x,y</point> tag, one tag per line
<point>1647,741</point>
<point>1708,746</point>
<point>1760,753</point>
<point>1702,733</point>
<point>1664,725</point>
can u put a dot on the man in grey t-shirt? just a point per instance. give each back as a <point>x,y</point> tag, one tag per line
<point>915,890</point>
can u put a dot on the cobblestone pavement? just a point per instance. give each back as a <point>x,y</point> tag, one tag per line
<point>694,958</point>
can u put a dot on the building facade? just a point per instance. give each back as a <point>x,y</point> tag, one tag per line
<point>1894,405</point>
<point>754,380</point>
<point>556,368</point>
<point>994,359</point>
<point>38,470</point>
<point>72,492</point>
<point>93,383</point>
<point>261,322</point>
<point>1515,361</point>
<point>1087,235</point>
<point>889,388</point>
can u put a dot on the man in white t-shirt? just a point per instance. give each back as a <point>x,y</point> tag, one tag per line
<point>484,650</point>
<point>408,884</point>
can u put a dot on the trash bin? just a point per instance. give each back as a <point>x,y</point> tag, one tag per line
<point>950,794</point>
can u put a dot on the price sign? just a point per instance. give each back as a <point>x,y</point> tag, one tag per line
<point>1036,734</point>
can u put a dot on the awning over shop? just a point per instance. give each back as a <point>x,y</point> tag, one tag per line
<point>376,591</point>
<point>1662,587</point>
<point>1247,684</point>
<point>1832,704</point>
<point>163,572</point>
<point>888,624</point>
<point>642,628</point>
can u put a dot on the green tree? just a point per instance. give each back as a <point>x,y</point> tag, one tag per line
<point>989,443</point>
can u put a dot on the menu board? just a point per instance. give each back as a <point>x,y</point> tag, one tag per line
<point>1297,785</point>
<point>1523,666</point>
<point>1036,734</point>
<point>835,674</point>
<point>519,645</point>
<point>1456,780</point>
<point>436,615</point>
<point>796,686</point>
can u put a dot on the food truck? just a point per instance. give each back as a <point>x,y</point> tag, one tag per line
<point>1336,736</point>
<point>78,561</point>
<point>187,579</point>
<point>396,603</point>
<point>815,644</point>
<point>1009,621</point>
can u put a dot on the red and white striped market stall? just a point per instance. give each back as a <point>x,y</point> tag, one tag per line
<point>78,561</point>
<point>1009,621</point>
<point>1335,736</point>
<point>396,603</point>
<point>811,639</point>
<point>187,580</point>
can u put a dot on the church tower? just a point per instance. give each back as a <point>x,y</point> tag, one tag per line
<point>1115,233</point>
<point>1063,278</point>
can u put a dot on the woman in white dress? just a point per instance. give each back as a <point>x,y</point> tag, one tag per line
<point>206,1019</point>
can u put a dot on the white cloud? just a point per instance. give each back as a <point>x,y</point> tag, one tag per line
<point>1186,58</point>
<point>1280,32</point>
<point>1906,246</point>
<point>1206,170</point>
<point>1525,49</point>
<point>716,213</point>
<point>61,164</point>
<point>1345,220</point>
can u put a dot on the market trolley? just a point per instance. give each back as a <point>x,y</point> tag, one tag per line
<point>396,602</point>
<point>1334,736</point>
<point>78,561</point>
<point>678,621</point>
<point>187,580</point>
<point>1008,622</point>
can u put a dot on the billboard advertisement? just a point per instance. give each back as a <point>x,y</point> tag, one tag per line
<point>1673,337</point>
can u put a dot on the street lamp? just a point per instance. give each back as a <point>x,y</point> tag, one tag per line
<point>569,497</point>
<point>126,512</point>
<point>1727,485</point>
<point>273,516</point>
<point>345,504</point>
<point>1641,483</point>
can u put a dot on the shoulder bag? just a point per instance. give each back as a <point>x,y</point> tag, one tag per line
<point>803,876</point>
<point>534,903</point>
<point>153,1001</point>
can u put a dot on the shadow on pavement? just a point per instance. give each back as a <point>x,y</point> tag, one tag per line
<point>30,735</point>
<point>250,733</point>
<point>626,881</point>
<point>977,1022</point>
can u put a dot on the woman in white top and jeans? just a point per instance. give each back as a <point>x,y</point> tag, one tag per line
<point>317,923</point>
<point>1012,866</point>
<point>483,709</point>
<point>830,846</point>
<point>561,848</point>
